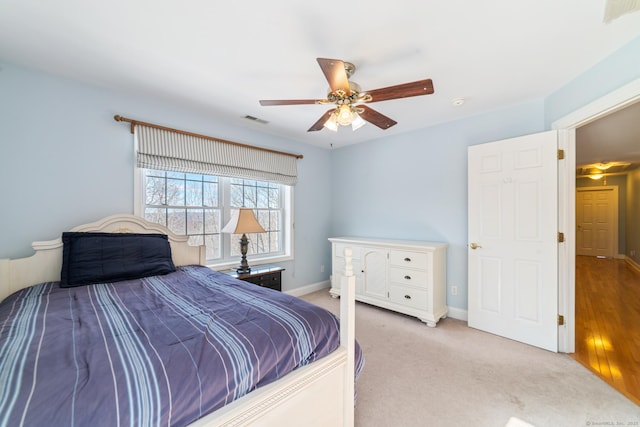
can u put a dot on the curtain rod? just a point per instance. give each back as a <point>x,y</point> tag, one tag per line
<point>119,118</point>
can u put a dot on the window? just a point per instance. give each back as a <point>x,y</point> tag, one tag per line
<point>200,205</point>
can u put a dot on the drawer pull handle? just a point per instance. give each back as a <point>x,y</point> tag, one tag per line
<point>407,259</point>
<point>407,296</point>
<point>407,277</point>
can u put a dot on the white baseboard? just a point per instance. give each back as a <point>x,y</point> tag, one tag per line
<point>298,292</point>
<point>458,313</point>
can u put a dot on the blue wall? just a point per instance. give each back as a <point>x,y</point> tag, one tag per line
<point>414,186</point>
<point>64,161</point>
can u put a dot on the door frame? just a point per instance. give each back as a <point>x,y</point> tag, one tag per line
<point>566,126</point>
<point>613,235</point>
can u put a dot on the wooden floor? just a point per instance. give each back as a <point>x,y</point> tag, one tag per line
<point>608,322</point>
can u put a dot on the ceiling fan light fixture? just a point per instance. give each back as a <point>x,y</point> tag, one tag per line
<point>345,115</point>
<point>332,123</point>
<point>357,122</point>
<point>347,96</point>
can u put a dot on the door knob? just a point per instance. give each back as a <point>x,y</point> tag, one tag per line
<point>475,246</point>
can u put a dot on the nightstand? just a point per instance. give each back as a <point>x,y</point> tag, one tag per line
<point>268,276</point>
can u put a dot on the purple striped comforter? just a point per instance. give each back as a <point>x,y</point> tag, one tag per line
<point>163,350</point>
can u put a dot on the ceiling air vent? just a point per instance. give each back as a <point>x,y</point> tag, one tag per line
<point>255,119</point>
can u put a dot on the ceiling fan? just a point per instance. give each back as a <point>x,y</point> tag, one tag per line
<point>350,100</point>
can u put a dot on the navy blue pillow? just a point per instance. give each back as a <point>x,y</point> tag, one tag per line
<point>89,258</point>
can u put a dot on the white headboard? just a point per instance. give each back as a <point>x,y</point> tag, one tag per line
<point>46,263</point>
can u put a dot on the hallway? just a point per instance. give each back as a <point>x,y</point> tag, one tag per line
<point>608,322</point>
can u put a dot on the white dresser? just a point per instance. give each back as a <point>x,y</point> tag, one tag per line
<point>402,275</point>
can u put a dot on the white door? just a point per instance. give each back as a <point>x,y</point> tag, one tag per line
<point>513,210</point>
<point>596,221</point>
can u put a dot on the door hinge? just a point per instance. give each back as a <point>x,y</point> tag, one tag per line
<point>560,237</point>
<point>560,320</point>
<point>560,154</point>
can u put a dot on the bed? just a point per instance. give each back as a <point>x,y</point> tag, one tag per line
<point>151,339</point>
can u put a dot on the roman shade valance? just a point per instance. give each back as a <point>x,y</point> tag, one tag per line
<point>164,148</point>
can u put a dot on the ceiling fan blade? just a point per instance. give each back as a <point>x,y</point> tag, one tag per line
<point>266,102</point>
<point>320,123</point>
<point>335,73</point>
<point>421,87</point>
<point>373,117</point>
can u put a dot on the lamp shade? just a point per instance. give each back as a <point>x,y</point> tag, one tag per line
<point>243,221</point>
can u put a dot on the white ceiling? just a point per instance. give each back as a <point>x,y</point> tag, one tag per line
<point>222,57</point>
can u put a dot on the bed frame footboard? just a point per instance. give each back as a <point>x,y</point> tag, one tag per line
<point>318,395</point>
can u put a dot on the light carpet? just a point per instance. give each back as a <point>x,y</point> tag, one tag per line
<point>453,375</point>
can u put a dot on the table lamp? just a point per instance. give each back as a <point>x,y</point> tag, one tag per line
<point>243,221</point>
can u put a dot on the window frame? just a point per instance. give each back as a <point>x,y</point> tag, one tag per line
<point>226,239</point>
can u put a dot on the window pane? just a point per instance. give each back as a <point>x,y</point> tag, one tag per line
<point>275,219</point>
<point>274,198</point>
<point>196,240</point>
<point>263,219</point>
<point>212,221</point>
<point>175,192</point>
<point>155,172</point>
<point>263,197</point>
<point>191,204</point>
<point>155,191</point>
<point>262,241</point>
<point>195,221</point>
<point>194,193</point>
<point>235,245</point>
<point>274,241</point>
<point>213,246</point>
<point>254,243</point>
<point>210,194</point>
<point>237,198</point>
<point>176,221</point>
<point>157,215</point>
<point>250,196</point>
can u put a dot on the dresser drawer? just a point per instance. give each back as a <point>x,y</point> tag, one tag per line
<point>409,297</point>
<point>406,276</point>
<point>410,259</point>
